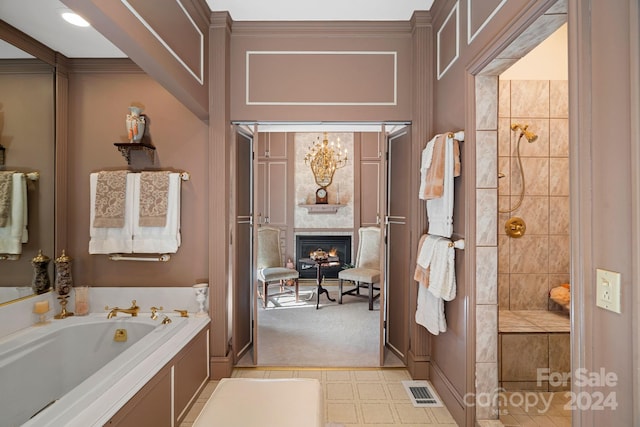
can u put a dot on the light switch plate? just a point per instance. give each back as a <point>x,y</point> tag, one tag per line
<point>608,290</point>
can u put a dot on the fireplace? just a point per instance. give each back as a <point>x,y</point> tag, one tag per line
<point>305,244</point>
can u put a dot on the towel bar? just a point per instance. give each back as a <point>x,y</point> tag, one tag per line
<point>123,257</point>
<point>458,244</point>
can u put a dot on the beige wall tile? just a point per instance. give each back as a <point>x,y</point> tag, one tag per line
<point>486,208</point>
<point>534,210</point>
<point>486,275</point>
<point>504,98</point>
<point>528,292</point>
<point>529,254</point>
<point>559,254</point>
<point>537,148</point>
<point>530,98</point>
<point>559,177</point>
<point>487,155</point>
<point>559,215</point>
<point>487,96</point>
<point>559,137</point>
<point>559,98</point>
<point>486,333</point>
<point>503,291</point>
<point>516,367</point>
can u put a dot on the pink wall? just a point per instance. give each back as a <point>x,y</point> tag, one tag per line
<point>97,108</point>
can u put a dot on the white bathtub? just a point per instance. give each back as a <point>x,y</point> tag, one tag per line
<point>75,366</point>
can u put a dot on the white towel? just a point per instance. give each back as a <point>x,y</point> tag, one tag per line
<point>14,234</point>
<point>442,275</point>
<point>112,240</point>
<point>425,163</point>
<point>440,210</point>
<point>430,311</point>
<point>158,239</point>
<point>438,257</point>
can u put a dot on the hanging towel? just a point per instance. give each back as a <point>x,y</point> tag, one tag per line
<point>14,233</point>
<point>440,210</point>
<point>6,190</point>
<point>430,312</point>
<point>154,197</point>
<point>110,196</point>
<point>435,271</point>
<point>158,239</point>
<point>108,240</point>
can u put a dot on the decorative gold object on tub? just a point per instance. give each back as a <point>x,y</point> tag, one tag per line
<point>515,227</point>
<point>41,282</point>
<point>63,282</point>
<point>133,310</point>
<point>120,335</point>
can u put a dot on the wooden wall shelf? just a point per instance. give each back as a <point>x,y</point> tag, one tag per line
<point>322,208</point>
<point>126,147</point>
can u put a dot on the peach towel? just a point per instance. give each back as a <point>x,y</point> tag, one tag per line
<point>433,166</point>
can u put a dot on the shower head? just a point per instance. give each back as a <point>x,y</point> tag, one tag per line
<point>524,132</point>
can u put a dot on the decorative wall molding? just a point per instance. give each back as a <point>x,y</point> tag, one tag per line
<point>472,34</point>
<point>385,90</point>
<point>441,50</point>
<point>197,74</point>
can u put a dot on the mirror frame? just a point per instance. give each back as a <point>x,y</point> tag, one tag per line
<point>59,63</point>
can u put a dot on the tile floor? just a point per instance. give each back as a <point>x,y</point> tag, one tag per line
<point>352,397</point>
<point>543,409</point>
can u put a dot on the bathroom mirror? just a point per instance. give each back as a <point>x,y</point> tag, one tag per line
<point>27,132</point>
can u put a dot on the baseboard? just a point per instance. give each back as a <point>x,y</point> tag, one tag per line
<point>449,395</point>
<point>220,367</point>
<point>418,366</point>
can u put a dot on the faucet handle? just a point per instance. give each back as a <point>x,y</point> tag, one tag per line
<point>183,313</point>
<point>154,312</point>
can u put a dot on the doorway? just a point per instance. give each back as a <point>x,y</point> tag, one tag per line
<point>513,280</point>
<point>287,171</point>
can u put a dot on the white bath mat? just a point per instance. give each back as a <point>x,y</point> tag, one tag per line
<point>421,394</point>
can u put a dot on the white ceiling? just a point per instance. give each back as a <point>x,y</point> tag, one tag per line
<point>41,19</point>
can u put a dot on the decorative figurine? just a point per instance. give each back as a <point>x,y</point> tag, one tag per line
<point>135,124</point>
<point>41,282</point>
<point>201,290</point>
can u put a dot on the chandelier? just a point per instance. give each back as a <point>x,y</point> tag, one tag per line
<point>324,158</point>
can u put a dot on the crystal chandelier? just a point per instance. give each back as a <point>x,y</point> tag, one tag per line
<point>324,158</point>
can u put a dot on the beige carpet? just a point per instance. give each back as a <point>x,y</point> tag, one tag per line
<point>335,335</point>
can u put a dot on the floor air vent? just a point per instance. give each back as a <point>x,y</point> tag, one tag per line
<point>421,394</point>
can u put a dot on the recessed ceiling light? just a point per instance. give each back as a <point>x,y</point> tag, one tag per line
<point>75,19</point>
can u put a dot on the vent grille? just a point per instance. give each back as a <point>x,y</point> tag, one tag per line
<point>421,394</point>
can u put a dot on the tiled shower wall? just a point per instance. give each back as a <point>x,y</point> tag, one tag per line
<point>529,266</point>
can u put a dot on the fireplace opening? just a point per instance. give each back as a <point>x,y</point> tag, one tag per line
<point>307,244</point>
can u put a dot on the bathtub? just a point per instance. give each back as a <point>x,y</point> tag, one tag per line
<point>71,372</point>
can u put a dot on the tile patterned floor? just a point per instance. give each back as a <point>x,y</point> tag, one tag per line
<point>548,410</point>
<point>353,398</point>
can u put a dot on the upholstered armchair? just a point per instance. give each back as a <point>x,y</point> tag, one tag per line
<point>270,265</point>
<point>367,268</point>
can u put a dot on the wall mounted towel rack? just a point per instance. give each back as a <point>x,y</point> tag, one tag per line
<point>458,244</point>
<point>125,257</point>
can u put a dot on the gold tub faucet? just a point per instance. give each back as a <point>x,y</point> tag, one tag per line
<point>133,310</point>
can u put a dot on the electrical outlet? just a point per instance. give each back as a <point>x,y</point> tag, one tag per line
<point>608,290</point>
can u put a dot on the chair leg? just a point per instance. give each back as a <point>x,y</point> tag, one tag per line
<point>297,290</point>
<point>339,291</point>
<point>370,296</point>
<point>264,294</point>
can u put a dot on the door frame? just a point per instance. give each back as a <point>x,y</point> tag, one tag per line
<point>251,129</point>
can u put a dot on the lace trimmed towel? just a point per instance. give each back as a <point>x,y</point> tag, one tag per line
<point>6,188</point>
<point>110,199</point>
<point>154,198</point>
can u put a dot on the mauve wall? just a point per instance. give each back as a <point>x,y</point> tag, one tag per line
<point>285,72</point>
<point>97,108</point>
